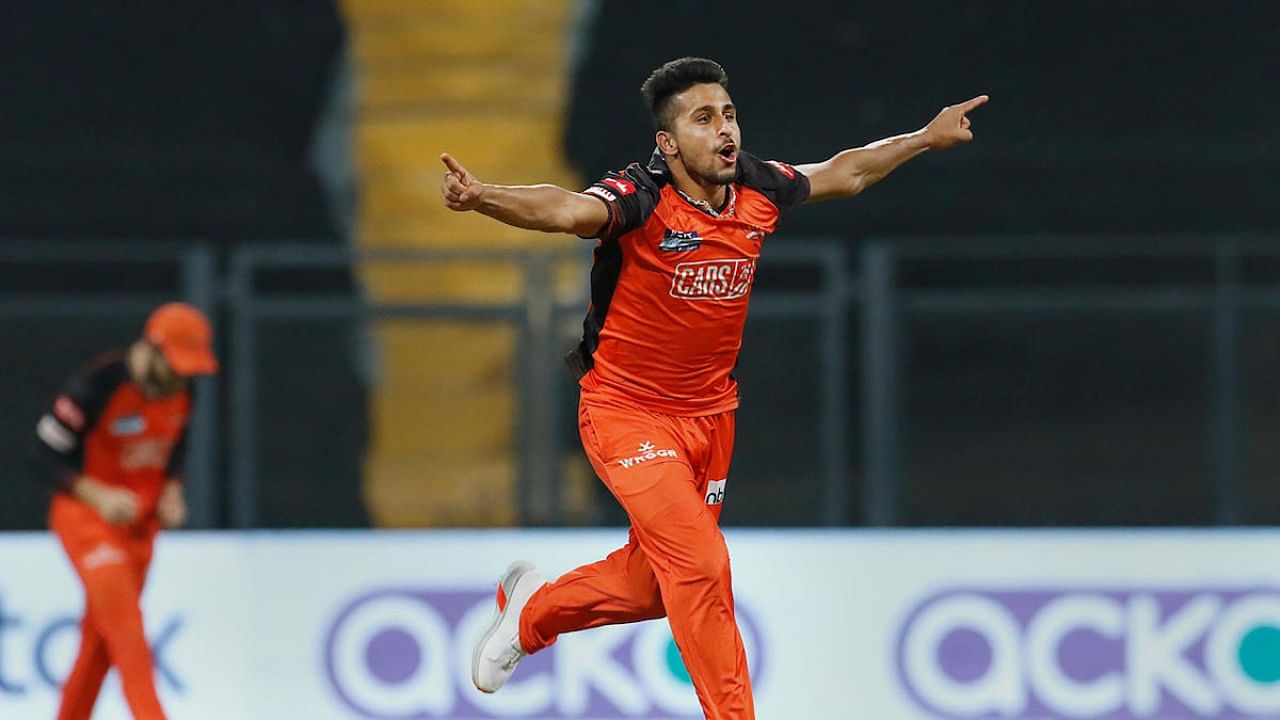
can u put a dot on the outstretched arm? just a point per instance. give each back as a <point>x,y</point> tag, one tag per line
<point>549,208</point>
<point>850,172</point>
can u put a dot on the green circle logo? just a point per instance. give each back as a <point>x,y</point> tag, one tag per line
<point>675,663</point>
<point>1260,654</point>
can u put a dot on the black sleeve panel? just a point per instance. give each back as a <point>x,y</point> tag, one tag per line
<point>785,186</point>
<point>60,433</point>
<point>630,195</point>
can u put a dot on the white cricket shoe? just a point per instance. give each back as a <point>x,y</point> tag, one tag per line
<point>498,651</point>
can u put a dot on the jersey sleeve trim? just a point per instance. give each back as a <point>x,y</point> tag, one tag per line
<point>60,433</point>
<point>780,182</point>
<point>631,195</point>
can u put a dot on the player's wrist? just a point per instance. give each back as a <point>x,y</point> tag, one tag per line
<point>925,138</point>
<point>87,489</point>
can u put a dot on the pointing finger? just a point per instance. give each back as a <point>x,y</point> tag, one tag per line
<point>454,166</point>
<point>974,103</point>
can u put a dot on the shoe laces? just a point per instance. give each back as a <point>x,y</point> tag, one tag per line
<point>512,657</point>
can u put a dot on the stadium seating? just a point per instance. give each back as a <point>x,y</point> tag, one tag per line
<point>486,82</point>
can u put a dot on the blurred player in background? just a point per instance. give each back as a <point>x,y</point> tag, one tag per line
<point>678,240</point>
<point>113,447</point>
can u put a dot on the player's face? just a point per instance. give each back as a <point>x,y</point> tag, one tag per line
<point>706,133</point>
<point>160,379</point>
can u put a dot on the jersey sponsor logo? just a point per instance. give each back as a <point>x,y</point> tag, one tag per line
<point>715,491</point>
<point>646,452</point>
<point>600,193</point>
<point>66,410</point>
<point>680,240</point>
<point>54,435</point>
<point>783,168</point>
<point>727,279</point>
<point>129,425</point>
<point>150,454</point>
<point>624,187</point>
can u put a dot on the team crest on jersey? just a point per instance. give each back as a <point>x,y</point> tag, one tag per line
<point>783,168</point>
<point>680,240</point>
<point>623,187</point>
<point>129,425</point>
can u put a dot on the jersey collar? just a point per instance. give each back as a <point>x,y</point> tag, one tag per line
<point>658,166</point>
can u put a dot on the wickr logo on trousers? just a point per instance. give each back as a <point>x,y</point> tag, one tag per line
<point>1098,653</point>
<point>645,453</point>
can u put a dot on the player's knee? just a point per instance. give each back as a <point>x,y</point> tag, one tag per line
<point>712,563</point>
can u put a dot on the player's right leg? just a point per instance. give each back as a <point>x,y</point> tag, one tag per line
<point>618,589</point>
<point>80,691</point>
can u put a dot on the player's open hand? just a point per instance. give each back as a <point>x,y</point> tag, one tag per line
<point>172,507</point>
<point>116,505</point>
<point>952,126</point>
<point>460,189</point>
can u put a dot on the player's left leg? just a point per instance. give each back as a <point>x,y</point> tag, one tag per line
<point>727,691</point>
<point>81,533</point>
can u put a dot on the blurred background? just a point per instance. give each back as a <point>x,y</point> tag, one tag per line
<point>1070,322</point>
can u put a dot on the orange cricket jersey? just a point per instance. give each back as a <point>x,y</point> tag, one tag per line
<point>103,426</point>
<point>670,282</point>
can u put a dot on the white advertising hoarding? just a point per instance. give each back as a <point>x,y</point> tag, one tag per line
<point>868,625</point>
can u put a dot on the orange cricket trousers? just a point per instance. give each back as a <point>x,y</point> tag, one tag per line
<point>112,565</point>
<point>668,473</point>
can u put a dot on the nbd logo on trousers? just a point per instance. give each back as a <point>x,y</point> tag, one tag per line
<point>1118,654</point>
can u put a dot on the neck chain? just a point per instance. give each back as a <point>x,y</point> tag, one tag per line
<point>704,206</point>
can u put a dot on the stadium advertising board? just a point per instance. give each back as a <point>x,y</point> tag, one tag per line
<point>886,625</point>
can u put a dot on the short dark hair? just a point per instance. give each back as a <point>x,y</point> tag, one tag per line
<point>674,78</point>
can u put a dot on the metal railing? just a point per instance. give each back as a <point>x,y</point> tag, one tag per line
<point>535,315</point>
<point>871,286</point>
<point>885,305</point>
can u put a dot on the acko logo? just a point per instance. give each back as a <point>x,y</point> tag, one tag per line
<point>405,654</point>
<point>1114,653</point>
